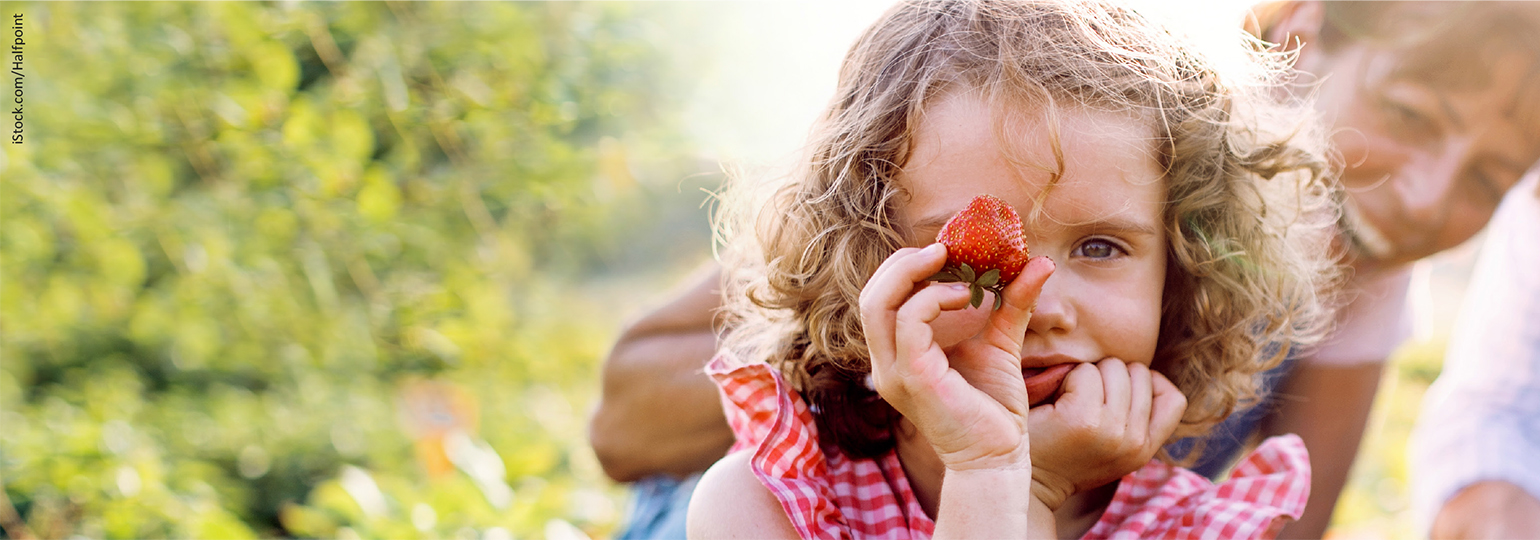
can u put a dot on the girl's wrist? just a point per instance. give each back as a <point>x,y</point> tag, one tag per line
<point>1052,489</point>
<point>1004,480</point>
<point>1016,460</point>
<point>986,503</point>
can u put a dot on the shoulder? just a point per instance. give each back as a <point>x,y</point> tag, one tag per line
<point>730,502</point>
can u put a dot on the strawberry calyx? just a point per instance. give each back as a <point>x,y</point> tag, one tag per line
<point>977,283</point>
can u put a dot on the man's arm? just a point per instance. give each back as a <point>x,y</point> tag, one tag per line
<point>1327,396</point>
<point>658,412</point>
<point>1327,406</point>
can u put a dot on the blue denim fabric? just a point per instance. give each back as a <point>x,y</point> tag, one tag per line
<point>658,510</point>
<point>1228,439</point>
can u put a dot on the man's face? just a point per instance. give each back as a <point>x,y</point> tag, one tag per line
<point>1428,150</point>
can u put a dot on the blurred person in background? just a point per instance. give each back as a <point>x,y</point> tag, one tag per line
<point>1475,471</point>
<point>1435,113</point>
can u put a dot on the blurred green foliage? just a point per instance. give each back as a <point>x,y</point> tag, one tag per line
<point>331,270</point>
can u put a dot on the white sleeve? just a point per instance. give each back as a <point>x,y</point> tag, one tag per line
<point>1481,419</point>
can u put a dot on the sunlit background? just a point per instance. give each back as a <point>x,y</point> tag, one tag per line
<point>349,270</point>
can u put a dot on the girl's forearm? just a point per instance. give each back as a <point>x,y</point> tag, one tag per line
<point>991,504</point>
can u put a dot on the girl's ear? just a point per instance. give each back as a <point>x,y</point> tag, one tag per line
<point>1297,24</point>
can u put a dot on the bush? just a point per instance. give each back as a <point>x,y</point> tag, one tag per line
<point>278,269</point>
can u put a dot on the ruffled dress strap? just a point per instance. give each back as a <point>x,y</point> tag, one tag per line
<point>1164,501</point>
<point>777,424</point>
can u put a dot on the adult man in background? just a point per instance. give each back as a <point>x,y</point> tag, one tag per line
<point>1433,106</point>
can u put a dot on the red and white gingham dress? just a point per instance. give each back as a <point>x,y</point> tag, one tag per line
<point>828,495</point>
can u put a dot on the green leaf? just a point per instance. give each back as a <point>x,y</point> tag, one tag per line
<point>967,273</point>
<point>990,278</point>
<point>978,296</point>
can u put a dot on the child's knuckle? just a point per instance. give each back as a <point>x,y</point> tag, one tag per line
<point>1084,426</point>
<point>867,312</point>
<point>1179,400</point>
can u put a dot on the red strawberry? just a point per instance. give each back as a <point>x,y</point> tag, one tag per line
<point>984,248</point>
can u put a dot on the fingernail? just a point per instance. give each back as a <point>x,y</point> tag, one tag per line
<point>936,247</point>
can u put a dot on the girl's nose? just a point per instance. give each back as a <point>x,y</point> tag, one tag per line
<point>1054,314</point>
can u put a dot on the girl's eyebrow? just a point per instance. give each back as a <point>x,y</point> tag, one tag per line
<point>1117,224</point>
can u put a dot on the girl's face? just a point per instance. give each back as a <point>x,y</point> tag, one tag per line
<point>1101,223</point>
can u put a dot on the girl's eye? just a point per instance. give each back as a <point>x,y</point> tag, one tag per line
<point>1098,249</point>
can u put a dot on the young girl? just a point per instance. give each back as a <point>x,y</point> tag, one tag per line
<point>1178,231</point>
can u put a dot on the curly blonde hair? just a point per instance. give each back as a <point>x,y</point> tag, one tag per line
<point>1251,197</point>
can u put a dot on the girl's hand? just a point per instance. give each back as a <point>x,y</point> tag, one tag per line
<point>969,401</point>
<point>1109,421</point>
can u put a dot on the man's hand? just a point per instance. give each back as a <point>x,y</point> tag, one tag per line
<point>1489,509</point>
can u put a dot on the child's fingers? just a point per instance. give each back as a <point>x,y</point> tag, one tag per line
<point>1115,386</point>
<point>1141,394</point>
<point>920,383</point>
<point>913,336</point>
<point>1083,385</point>
<point>887,289</point>
<point>1020,297</point>
<point>1079,403</point>
<point>1167,408</point>
<point>897,255</point>
<point>897,277</point>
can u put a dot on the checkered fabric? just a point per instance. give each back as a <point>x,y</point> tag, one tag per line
<point>828,495</point>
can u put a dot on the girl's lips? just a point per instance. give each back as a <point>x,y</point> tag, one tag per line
<point>1043,383</point>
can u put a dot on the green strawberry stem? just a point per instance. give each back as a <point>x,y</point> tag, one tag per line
<point>977,284</point>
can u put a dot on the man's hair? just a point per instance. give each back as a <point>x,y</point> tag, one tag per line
<point>1451,42</point>
<point>1250,197</point>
